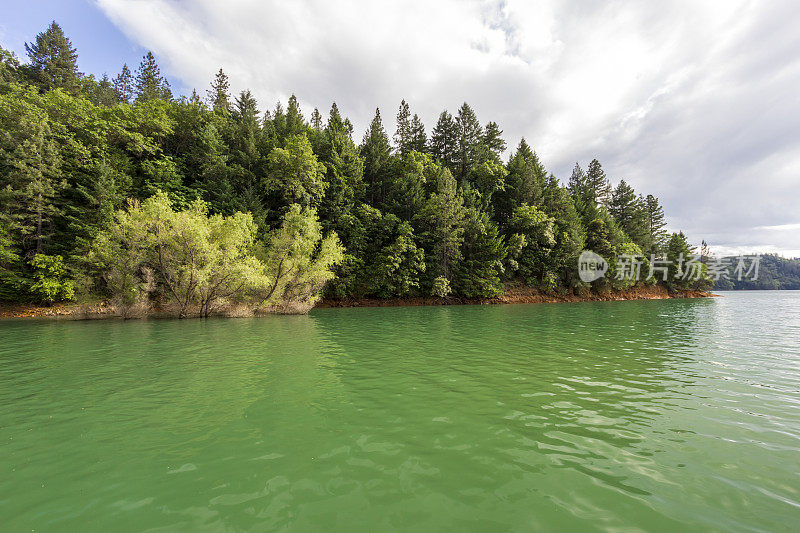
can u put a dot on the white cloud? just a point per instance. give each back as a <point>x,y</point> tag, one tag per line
<point>694,102</point>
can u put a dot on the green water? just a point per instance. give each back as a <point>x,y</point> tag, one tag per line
<point>620,416</point>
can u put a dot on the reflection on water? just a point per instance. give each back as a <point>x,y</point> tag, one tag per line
<point>654,415</point>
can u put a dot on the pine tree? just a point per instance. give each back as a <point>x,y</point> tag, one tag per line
<point>316,120</point>
<point>470,135</point>
<point>123,84</point>
<point>219,93</point>
<point>53,61</point>
<point>29,178</point>
<point>654,224</point>
<point>444,140</point>
<point>627,210</point>
<point>419,140</point>
<point>524,183</point>
<point>583,196</point>
<point>295,123</point>
<point>492,139</point>
<point>104,93</point>
<point>150,85</point>
<point>375,150</point>
<point>442,220</point>
<point>597,183</point>
<point>402,137</point>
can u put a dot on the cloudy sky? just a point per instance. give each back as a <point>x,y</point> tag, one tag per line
<point>696,102</point>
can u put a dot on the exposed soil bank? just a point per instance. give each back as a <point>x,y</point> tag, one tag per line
<point>521,295</point>
<point>513,295</point>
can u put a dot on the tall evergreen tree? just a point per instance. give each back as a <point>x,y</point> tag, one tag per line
<point>402,136</point>
<point>470,136</point>
<point>30,180</point>
<point>419,140</point>
<point>523,184</point>
<point>654,224</point>
<point>295,123</point>
<point>124,84</point>
<point>444,140</point>
<point>150,85</point>
<point>316,120</point>
<point>627,210</point>
<point>376,151</point>
<point>245,136</point>
<point>53,61</point>
<point>219,93</point>
<point>598,183</point>
<point>583,196</point>
<point>442,222</point>
<point>493,139</point>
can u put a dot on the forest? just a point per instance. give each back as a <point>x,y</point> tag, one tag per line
<point>775,273</point>
<point>114,188</point>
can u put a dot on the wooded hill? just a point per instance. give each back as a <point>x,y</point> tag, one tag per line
<point>85,161</point>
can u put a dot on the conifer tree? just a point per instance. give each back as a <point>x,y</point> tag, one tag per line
<point>470,135</point>
<point>654,224</point>
<point>493,139</point>
<point>245,117</point>
<point>524,183</point>
<point>444,140</point>
<point>598,183</point>
<point>316,120</point>
<point>30,178</point>
<point>419,139</point>
<point>627,210</point>
<point>375,150</point>
<point>442,221</point>
<point>402,136</point>
<point>295,123</point>
<point>53,61</point>
<point>124,84</point>
<point>219,93</point>
<point>150,85</point>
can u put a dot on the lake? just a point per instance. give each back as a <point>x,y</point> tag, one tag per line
<point>662,415</point>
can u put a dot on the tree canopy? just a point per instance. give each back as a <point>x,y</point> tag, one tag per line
<point>201,203</point>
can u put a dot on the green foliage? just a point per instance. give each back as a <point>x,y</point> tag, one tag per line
<point>483,251</point>
<point>523,184</point>
<point>51,281</point>
<point>295,175</point>
<point>774,273</point>
<point>469,135</point>
<point>196,262</point>
<point>442,223</point>
<point>299,261</point>
<point>441,287</point>
<point>219,95</point>
<point>149,84</point>
<point>678,253</point>
<point>444,140</point>
<point>629,212</point>
<point>52,60</point>
<point>534,239</point>
<point>442,214</point>
<point>376,152</point>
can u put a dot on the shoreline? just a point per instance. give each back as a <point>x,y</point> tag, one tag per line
<point>513,295</point>
<point>519,295</point>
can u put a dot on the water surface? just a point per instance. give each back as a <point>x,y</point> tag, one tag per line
<point>618,416</point>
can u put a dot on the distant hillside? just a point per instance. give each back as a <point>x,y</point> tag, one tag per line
<point>775,273</point>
